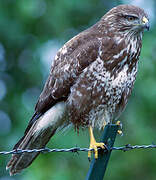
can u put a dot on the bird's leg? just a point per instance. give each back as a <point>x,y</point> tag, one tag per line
<point>94,145</point>
<point>119,124</point>
<point>104,124</point>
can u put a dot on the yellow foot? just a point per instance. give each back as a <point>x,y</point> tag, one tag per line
<point>94,145</point>
<point>119,124</point>
<point>120,132</point>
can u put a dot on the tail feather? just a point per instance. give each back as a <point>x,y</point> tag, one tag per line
<point>35,138</point>
<point>31,141</point>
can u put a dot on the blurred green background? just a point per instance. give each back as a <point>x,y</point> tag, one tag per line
<point>31,32</point>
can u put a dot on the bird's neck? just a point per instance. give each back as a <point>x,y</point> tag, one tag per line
<point>128,55</point>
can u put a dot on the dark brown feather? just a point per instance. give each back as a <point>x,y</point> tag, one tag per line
<point>82,50</point>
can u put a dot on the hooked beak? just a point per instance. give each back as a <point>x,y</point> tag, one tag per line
<point>145,23</point>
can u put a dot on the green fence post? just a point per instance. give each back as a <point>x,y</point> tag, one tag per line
<point>98,167</point>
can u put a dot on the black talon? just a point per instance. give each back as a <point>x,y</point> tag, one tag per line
<point>106,148</point>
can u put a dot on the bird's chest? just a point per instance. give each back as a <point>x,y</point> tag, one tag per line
<point>109,92</point>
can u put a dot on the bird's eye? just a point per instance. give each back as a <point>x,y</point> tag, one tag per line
<point>130,17</point>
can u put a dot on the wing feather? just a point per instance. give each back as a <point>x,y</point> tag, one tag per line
<point>68,64</point>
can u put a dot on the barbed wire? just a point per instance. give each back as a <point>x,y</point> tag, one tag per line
<point>127,147</point>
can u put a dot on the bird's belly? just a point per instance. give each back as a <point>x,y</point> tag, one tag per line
<point>113,99</point>
<point>99,116</point>
<point>106,112</point>
<point>99,102</point>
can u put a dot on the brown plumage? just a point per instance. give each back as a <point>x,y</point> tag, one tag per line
<point>90,81</point>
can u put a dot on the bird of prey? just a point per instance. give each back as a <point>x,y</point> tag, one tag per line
<point>90,81</point>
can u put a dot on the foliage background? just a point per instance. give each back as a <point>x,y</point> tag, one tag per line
<point>31,32</point>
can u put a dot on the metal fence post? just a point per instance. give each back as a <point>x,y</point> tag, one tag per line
<point>98,167</point>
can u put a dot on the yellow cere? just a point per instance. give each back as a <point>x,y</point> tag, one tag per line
<point>144,20</point>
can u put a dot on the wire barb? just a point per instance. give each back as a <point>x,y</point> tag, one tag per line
<point>125,148</point>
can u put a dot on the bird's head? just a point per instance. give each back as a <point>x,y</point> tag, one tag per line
<point>127,18</point>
